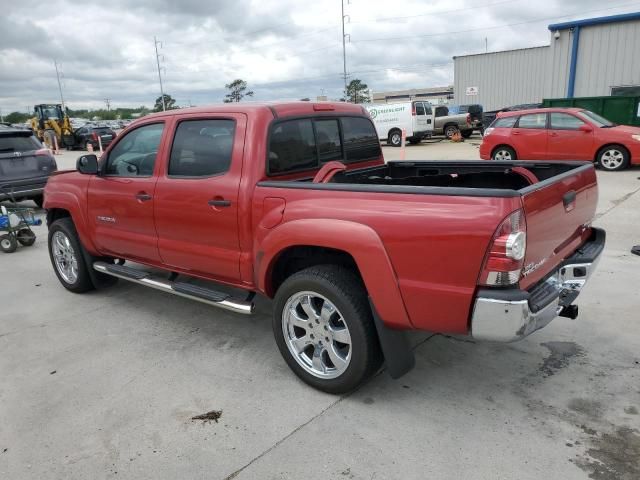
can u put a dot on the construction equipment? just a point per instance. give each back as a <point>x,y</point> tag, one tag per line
<point>51,124</point>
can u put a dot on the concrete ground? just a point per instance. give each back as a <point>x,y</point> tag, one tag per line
<point>104,385</point>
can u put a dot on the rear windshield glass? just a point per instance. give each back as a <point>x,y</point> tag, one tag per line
<point>102,130</point>
<point>18,144</point>
<point>305,144</point>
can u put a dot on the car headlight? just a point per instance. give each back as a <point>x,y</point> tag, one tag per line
<point>636,137</point>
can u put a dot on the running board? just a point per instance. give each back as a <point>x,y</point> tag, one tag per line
<point>182,289</point>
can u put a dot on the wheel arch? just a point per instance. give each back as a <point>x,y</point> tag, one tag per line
<point>303,243</point>
<point>501,145</point>
<point>60,204</point>
<point>607,145</point>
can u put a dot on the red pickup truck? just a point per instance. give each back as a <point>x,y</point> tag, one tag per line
<point>295,201</point>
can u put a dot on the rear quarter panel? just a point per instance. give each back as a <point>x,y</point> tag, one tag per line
<point>435,244</point>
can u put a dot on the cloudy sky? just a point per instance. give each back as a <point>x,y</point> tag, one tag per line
<point>284,49</point>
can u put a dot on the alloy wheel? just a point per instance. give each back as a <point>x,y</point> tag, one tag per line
<point>316,334</point>
<point>64,257</point>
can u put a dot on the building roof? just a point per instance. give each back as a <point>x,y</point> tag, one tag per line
<point>595,21</point>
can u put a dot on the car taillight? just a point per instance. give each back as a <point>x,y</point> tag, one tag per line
<point>413,109</point>
<point>94,135</point>
<point>487,131</point>
<point>505,256</point>
<point>468,119</point>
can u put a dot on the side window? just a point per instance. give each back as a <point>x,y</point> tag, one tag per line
<point>420,109</point>
<point>505,122</point>
<point>135,154</point>
<point>533,120</point>
<point>442,111</point>
<point>202,148</point>
<point>360,139</point>
<point>328,140</point>
<point>564,121</point>
<point>427,108</point>
<point>292,146</point>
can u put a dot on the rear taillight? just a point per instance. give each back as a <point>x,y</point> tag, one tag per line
<point>487,131</point>
<point>94,135</point>
<point>505,257</point>
<point>468,119</point>
<point>413,109</point>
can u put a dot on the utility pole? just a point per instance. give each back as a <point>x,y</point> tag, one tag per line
<point>1,118</point>
<point>344,49</point>
<point>156,42</point>
<point>486,45</point>
<point>108,102</point>
<point>59,84</point>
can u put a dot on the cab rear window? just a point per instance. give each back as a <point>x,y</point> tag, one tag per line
<point>307,143</point>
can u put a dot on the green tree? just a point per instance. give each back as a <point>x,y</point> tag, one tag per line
<point>169,103</point>
<point>357,92</point>
<point>238,90</point>
<point>16,117</point>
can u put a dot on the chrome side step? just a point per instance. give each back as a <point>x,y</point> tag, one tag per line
<point>182,289</point>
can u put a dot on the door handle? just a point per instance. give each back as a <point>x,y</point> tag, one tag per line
<point>569,200</point>
<point>515,133</point>
<point>553,134</point>
<point>219,202</point>
<point>143,196</point>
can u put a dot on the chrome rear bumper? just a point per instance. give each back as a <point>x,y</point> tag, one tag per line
<point>510,315</point>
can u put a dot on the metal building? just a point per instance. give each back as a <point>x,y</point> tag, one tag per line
<point>591,57</point>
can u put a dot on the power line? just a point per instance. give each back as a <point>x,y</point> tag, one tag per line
<point>546,19</point>
<point>344,48</point>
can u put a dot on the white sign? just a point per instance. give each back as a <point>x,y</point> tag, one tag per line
<point>472,91</point>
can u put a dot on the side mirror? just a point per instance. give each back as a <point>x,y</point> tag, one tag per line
<point>586,128</point>
<point>87,164</point>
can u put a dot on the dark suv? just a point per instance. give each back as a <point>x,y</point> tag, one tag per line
<point>89,134</point>
<point>25,165</point>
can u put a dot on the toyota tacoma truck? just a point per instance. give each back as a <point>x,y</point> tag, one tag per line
<point>294,201</point>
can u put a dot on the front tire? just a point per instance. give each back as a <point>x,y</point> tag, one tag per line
<point>450,131</point>
<point>395,138</point>
<point>504,153</point>
<point>66,256</point>
<point>613,158</point>
<point>8,243</point>
<point>324,328</point>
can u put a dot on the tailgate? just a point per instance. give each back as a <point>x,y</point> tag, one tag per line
<point>19,166</point>
<point>557,211</point>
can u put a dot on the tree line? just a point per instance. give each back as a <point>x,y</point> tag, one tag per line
<point>356,92</point>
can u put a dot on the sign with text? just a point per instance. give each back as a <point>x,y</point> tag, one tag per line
<point>472,91</point>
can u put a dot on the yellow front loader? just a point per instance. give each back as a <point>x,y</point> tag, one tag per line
<point>51,121</point>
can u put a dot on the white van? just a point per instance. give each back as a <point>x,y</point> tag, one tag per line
<point>390,118</point>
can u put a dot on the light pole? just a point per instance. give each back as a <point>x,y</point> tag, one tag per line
<point>156,42</point>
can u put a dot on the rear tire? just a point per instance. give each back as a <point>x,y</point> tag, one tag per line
<point>467,133</point>
<point>8,243</point>
<point>324,328</point>
<point>26,237</point>
<point>504,153</point>
<point>613,158</point>
<point>39,200</point>
<point>66,257</point>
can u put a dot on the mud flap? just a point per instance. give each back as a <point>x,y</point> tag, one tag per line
<point>99,280</point>
<point>397,351</point>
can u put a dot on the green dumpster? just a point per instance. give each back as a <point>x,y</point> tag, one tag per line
<point>621,110</point>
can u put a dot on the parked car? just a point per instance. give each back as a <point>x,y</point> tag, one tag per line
<point>415,118</point>
<point>561,134</point>
<point>89,134</point>
<point>448,125</point>
<point>352,250</point>
<point>489,117</point>
<point>475,112</point>
<point>25,165</point>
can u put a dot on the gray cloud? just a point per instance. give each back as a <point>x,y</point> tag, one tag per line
<point>283,48</point>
